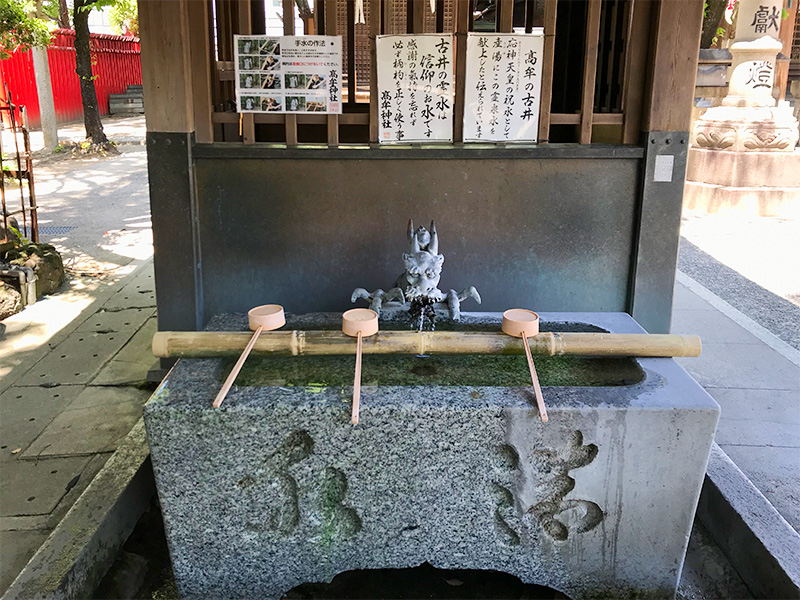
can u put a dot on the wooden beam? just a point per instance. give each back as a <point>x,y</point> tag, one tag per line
<point>673,69</point>
<point>550,8</point>
<point>288,29</point>
<point>202,71</point>
<point>304,119</point>
<point>331,29</point>
<point>461,26</point>
<point>166,65</point>
<point>245,25</point>
<point>633,85</point>
<point>374,31</point>
<point>589,69</point>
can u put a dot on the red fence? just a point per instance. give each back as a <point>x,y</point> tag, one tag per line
<point>116,64</point>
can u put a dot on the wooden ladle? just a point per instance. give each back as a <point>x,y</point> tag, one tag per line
<point>260,318</point>
<point>358,323</point>
<point>519,322</point>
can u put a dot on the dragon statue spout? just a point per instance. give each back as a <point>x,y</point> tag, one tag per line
<point>419,283</point>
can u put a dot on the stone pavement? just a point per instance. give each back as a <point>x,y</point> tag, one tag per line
<point>755,377</point>
<point>63,411</point>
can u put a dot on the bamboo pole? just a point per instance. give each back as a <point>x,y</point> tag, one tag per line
<point>175,344</point>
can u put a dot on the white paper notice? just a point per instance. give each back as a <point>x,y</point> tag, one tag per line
<point>663,168</point>
<point>415,88</point>
<point>296,74</point>
<point>504,78</point>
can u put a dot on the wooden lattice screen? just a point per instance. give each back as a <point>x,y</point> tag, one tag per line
<point>593,70</point>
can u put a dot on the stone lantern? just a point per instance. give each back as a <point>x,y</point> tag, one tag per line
<point>743,154</point>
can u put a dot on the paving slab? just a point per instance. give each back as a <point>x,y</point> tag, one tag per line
<point>76,360</point>
<point>778,406</point>
<point>94,422</point>
<point>36,487</point>
<point>26,411</point>
<point>758,417</point>
<point>685,299</point>
<point>50,520</point>
<point>131,365</point>
<point>16,549</point>
<point>139,292</point>
<point>775,471</point>
<point>748,366</point>
<point>127,319</point>
<point>712,326</point>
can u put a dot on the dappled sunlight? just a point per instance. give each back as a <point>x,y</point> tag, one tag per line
<point>35,326</point>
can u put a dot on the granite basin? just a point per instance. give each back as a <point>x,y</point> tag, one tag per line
<point>450,465</point>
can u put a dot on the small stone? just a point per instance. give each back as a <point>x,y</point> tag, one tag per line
<point>10,300</point>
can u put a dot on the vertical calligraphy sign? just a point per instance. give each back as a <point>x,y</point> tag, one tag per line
<point>504,79</point>
<point>415,88</point>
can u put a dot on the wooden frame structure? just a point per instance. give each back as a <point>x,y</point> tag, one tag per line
<point>619,30</point>
<point>618,82</point>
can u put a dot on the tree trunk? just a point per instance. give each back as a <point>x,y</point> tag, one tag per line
<point>715,10</point>
<point>63,14</point>
<point>83,61</point>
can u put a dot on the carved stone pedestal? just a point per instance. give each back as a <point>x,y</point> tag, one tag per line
<point>449,467</point>
<point>743,157</point>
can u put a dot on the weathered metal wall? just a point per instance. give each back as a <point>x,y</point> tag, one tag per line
<point>115,63</point>
<point>550,229</point>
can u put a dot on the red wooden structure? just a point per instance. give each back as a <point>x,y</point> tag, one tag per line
<point>115,64</point>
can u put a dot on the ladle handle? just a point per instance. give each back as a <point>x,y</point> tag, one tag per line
<point>236,368</point>
<point>537,390</point>
<point>357,383</point>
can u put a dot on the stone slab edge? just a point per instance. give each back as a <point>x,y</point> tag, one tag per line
<point>100,299</point>
<point>760,544</point>
<point>73,560</point>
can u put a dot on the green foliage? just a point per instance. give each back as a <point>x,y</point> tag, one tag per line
<point>124,16</point>
<point>18,29</point>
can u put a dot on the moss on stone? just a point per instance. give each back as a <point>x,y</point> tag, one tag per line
<point>449,370</point>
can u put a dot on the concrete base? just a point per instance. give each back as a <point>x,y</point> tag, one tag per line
<point>277,488</point>
<point>781,202</point>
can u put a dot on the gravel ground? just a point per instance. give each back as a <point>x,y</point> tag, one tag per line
<point>778,315</point>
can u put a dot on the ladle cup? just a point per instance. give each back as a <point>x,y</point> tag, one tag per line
<point>261,318</point>
<point>358,323</point>
<point>519,322</point>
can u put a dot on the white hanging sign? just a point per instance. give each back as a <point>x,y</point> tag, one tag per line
<point>289,74</point>
<point>503,83</point>
<point>415,88</point>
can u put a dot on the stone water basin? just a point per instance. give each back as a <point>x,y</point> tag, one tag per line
<point>450,465</point>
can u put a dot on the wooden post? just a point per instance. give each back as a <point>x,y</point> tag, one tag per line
<point>331,29</point>
<point>244,28</point>
<point>633,86</point>
<point>674,66</point>
<point>374,31</point>
<point>417,16</point>
<point>550,7</point>
<point>505,20</point>
<point>202,69</point>
<point>288,29</point>
<point>589,70</point>
<point>461,26</point>
<point>166,66</point>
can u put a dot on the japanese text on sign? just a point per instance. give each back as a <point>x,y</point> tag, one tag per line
<point>503,83</point>
<point>415,88</point>
<point>289,74</point>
